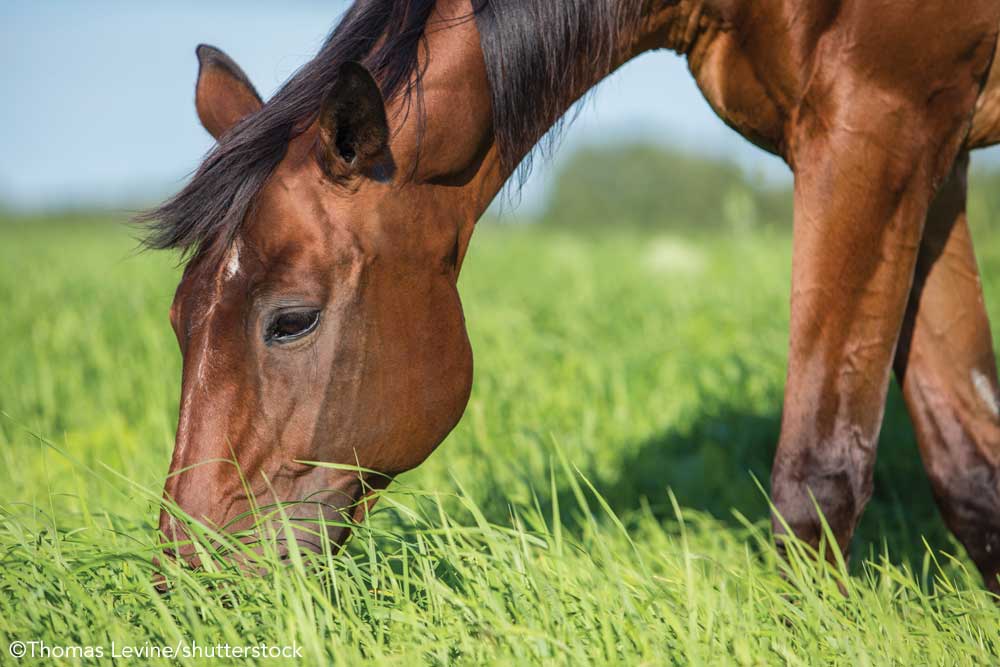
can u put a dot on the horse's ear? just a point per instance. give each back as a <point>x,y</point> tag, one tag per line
<point>224,94</point>
<point>353,130</point>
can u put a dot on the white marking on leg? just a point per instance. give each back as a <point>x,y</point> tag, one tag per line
<point>985,391</point>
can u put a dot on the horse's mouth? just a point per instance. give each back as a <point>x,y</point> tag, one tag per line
<point>274,535</point>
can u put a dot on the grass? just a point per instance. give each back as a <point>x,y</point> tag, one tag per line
<point>598,504</point>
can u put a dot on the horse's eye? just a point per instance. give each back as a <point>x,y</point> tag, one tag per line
<point>291,325</point>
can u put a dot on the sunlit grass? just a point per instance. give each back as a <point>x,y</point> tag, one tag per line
<point>599,503</point>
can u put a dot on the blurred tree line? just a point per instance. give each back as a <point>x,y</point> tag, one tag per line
<point>655,186</point>
<point>659,187</point>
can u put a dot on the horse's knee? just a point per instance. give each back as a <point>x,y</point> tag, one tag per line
<point>833,477</point>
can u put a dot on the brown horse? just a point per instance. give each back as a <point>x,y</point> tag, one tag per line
<point>319,317</point>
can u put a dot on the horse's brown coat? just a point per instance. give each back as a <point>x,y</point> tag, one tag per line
<point>873,104</point>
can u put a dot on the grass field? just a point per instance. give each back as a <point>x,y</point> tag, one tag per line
<point>597,504</point>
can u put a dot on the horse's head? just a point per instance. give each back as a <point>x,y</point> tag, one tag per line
<point>326,329</point>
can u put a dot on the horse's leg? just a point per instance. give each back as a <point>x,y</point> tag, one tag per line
<point>863,185</point>
<point>946,366</point>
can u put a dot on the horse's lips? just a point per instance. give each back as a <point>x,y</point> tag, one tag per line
<point>319,523</point>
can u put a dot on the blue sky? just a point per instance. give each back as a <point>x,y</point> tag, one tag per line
<point>99,95</point>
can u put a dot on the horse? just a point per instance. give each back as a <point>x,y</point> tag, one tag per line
<point>318,315</point>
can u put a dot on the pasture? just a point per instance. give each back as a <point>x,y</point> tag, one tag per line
<point>596,505</point>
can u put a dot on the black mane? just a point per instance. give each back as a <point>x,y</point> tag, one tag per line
<point>530,48</point>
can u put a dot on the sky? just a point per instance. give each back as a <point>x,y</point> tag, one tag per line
<point>98,96</point>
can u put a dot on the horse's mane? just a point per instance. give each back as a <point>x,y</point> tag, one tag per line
<point>530,48</point>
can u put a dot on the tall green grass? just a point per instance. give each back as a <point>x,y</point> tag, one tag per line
<point>598,504</point>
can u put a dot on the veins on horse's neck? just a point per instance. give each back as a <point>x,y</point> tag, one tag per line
<point>677,26</point>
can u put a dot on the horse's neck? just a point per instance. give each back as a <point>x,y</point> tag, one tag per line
<point>455,147</point>
<point>444,136</point>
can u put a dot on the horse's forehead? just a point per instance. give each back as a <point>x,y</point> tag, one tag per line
<point>288,215</point>
<point>301,221</point>
<point>286,238</point>
<point>278,241</point>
